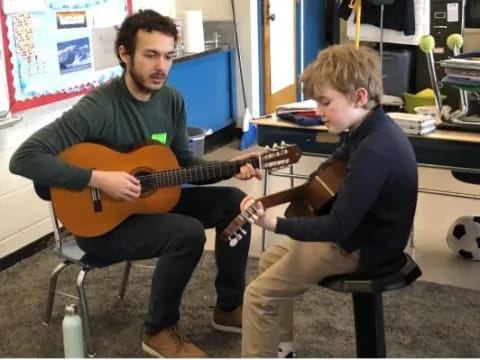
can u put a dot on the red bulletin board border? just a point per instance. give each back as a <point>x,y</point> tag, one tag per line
<point>16,106</point>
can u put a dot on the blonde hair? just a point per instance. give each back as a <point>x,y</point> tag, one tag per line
<point>346,69</point>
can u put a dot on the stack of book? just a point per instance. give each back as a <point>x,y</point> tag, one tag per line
<point>463,72</point>
<point>413,124</point>
<point>307,106</point>
<point>302,113</point>
<point>468,67</point>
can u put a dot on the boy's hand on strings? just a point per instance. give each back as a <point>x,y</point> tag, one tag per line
<point>255,211</point>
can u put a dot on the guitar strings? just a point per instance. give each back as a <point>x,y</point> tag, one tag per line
<point>194,173</point>
<point>162,177</point>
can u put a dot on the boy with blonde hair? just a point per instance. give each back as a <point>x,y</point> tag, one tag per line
<point>370,220</point>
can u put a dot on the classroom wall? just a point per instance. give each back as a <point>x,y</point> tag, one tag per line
<point>164,7</point>
<point>218,10</point>
<point>471,40</point>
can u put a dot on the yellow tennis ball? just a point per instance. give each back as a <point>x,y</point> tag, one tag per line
<point>426,43</point>
<point>455,41</point>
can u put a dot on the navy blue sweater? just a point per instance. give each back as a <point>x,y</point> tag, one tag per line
<point>374,209</point>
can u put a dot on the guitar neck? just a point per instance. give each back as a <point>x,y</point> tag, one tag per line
<point>267,202</point>
<point>282,197</point>
<point>204,172</point>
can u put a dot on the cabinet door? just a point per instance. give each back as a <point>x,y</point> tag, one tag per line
<point>207,84</point>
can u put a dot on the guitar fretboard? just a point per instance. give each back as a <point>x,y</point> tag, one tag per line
<point>193,174</point>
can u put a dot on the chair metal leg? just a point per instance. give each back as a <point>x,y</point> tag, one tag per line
<point>123,284</point>
<point>369,327</point>
<point>52,286</point>
<point>84,313</point>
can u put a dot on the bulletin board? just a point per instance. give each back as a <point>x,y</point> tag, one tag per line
<point>49,47</point>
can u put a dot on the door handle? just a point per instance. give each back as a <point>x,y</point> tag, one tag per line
<point>271,17</point>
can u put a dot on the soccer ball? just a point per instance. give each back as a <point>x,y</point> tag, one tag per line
<point>463,237</point>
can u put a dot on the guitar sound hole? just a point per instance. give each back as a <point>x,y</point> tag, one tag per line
<point>147,182</point>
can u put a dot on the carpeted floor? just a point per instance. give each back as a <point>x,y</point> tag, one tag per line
<point>425,320</point>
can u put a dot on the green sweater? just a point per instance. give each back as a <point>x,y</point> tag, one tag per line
<point>109,115</point>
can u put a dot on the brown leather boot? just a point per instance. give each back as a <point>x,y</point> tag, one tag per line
<point>228,321</point>
<point>171,343</point>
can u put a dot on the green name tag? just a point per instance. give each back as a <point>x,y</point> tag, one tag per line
<point>161,138</point>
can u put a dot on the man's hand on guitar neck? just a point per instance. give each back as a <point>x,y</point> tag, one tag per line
<point>247,171</point>
<point>263,220</point>
<point>118,184</point>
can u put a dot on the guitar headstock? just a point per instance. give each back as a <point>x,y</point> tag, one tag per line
<point>280,156</point>
<point>234,232</point>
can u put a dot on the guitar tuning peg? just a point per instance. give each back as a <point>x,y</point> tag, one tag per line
<point>267,148</point>
<point>283,143</point>
<point>275,145</point>
<point>233,242</point>
<point>243,231</point>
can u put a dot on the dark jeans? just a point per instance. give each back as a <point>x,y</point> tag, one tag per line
<point>177,239</point>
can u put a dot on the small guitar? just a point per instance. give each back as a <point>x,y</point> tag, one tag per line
<point>91,212</point>
<point>305,200</point>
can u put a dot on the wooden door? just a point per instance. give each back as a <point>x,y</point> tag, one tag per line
<point>279,49</point>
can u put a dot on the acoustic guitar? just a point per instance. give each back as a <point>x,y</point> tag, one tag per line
<point>308,199</point>
<point>91,212</point>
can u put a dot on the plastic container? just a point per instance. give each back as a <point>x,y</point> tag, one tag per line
<point>72,333</point>
<point>397,72</point>
<point>196,138</point>
<point>412,101</point>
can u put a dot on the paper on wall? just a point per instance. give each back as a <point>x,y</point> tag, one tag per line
<point>4,99</point>
<point>13,6</point>
<point>103,43</point>
<point>282,37</point>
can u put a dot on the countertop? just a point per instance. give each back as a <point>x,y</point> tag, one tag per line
<point>184,56</point>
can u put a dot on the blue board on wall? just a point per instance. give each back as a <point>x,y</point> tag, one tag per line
<point>48,50</point>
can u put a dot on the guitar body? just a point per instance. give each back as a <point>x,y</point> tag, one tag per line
<point>310,199</point>
<point>318,192</point>
<point>91,212</point>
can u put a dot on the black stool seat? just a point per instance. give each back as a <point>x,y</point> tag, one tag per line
<point>367,289</point>
<point>397,274</point>
<point>466,177</point>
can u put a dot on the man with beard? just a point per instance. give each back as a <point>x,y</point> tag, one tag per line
<point>137,107</point>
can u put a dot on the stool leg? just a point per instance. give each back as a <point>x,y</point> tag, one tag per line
<point>369,328</point>
<point>123,284</point>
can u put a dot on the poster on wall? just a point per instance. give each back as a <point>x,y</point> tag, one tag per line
<point>51,50</point>
<point>74,55</point>
<point>71,19</point>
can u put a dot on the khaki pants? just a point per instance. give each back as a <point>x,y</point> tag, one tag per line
<point>287,270</point>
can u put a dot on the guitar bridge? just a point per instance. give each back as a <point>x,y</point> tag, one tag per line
<point>96,200</point>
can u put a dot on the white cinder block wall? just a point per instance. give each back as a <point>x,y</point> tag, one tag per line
<point>24,218</point>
